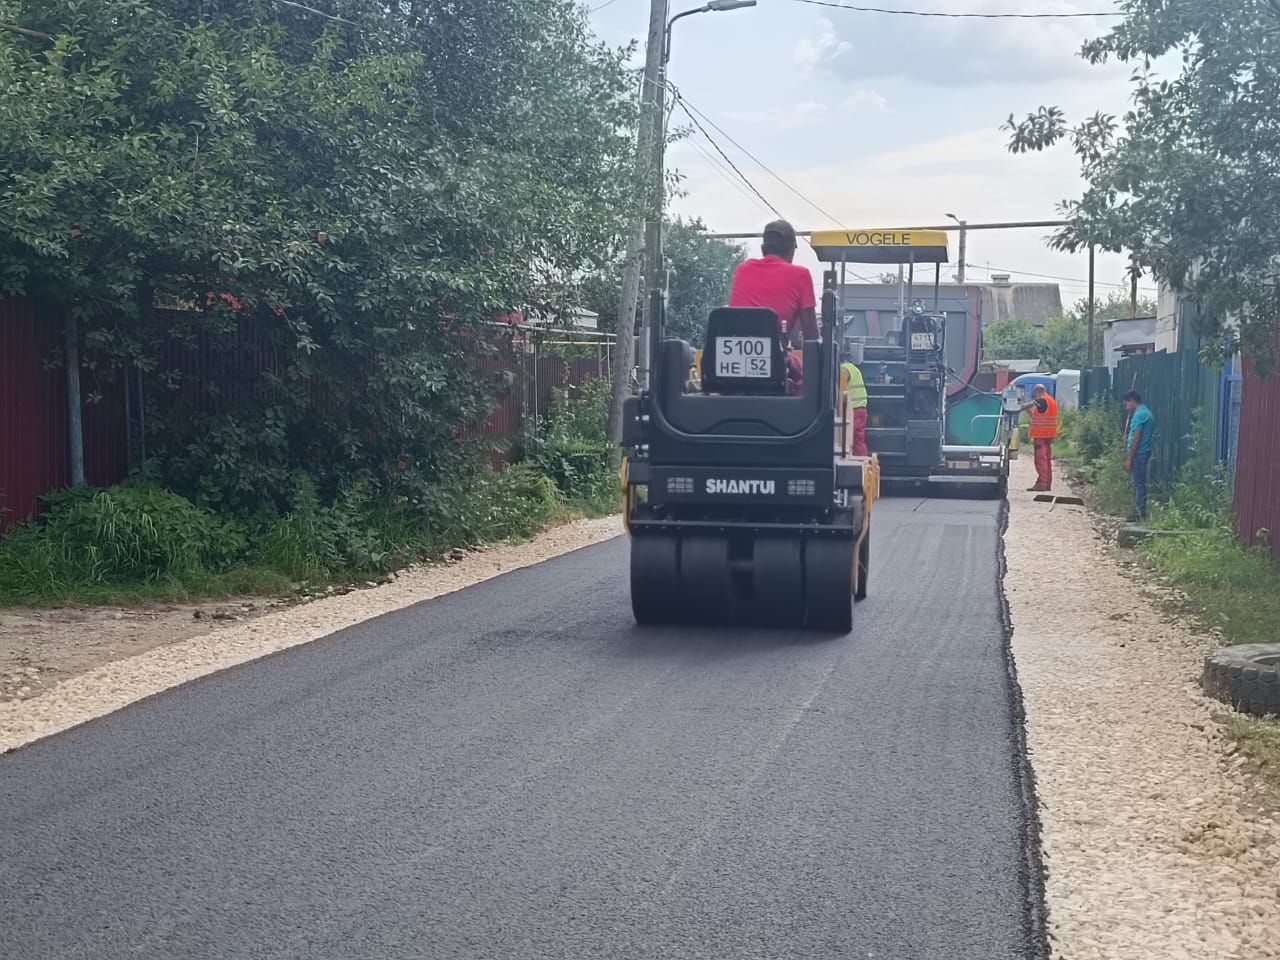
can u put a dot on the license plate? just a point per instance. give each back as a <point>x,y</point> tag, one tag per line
<point>744,357</point>
<point>922,341</point>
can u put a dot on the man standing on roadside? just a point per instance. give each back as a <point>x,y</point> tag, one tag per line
<point>1044,427</point>
<point>775,283</point>
<point>1142,424</point>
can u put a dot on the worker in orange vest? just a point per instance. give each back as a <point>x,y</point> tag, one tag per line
<point>1044,427</point>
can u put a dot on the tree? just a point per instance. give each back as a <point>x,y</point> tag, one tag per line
<point>701,275</point>
<point>1062,343</point>
<point>1187,179</point>
<point>1065,342</point>
<point>1116,306</point>
<point>338,205</point>
<point>1012,339</point>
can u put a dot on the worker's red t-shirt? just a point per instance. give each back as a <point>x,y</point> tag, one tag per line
<point>771,282</point>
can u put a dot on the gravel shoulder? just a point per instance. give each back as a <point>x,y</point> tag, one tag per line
<point>1154,840</point>
<point>60,668</point>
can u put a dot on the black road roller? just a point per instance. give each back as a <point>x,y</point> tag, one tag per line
<point>742,502</point>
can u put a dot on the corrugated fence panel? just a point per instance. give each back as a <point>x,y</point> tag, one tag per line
<point>1177,387</point>
<point>34,443</point>
<point>21,434</point>
<point>1257,492</point>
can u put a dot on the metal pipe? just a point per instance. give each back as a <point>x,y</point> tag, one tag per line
<point>75,422</point>
<point>948,227</point>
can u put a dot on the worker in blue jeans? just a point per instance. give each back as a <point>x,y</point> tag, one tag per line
<point>1142,424</point>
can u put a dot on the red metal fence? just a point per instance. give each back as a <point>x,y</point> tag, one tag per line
<point>34,445</point>
<point>1257,493</point>
<point>34,456</point>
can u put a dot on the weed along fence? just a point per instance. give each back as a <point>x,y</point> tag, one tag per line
<point>525,385</point>
<point>1257,489</point>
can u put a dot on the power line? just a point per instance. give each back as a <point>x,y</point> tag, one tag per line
<point>958,16</point>
<point>318,13</point>
<point>607,3</point>
<point>724,156</point>
<point>1050,276</point>
<point>758,162</point>
<point>742,176</point>
<point>721,169</point>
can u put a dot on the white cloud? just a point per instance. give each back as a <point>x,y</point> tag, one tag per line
<point>942,51</point>
<point>807,113</point>
<point>864,101</point>
<point>815,56</point>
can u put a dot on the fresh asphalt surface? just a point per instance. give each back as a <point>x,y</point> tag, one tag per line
<point>518,771</point>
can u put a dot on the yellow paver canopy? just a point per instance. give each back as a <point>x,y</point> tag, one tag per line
<point>886,245</point>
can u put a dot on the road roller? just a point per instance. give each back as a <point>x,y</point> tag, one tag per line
<point>742,501</point>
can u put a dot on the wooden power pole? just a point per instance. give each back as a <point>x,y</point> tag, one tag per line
<point>650,127</point>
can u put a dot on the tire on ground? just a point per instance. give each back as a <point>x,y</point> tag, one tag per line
<point>1246,676</point>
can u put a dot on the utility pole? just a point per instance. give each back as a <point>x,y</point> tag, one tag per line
<point>657,270</point>
<point>960,257</point>
<point>1088,349</point>
<point>1134,271</point>
<point>650,130</point>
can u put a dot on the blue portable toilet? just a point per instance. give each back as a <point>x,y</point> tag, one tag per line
<point>1027,382</point>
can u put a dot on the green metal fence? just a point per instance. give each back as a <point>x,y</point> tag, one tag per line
<point>1095,382</point>
<point>1175,386</point>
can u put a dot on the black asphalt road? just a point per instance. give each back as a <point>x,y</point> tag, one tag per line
<point>517,771</point>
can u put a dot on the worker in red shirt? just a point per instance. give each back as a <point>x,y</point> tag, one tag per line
<point>774,282</point>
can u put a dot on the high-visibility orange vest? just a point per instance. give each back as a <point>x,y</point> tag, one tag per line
<point>1044,426</point>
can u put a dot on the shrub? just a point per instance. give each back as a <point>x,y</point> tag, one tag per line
<point>1094,431</point>
<point>571,446</point>
<point>486,507</point>
<point>1200,498</point>
<point>353,535</point>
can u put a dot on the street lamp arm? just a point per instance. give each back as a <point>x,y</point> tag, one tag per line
<point>711,6</point>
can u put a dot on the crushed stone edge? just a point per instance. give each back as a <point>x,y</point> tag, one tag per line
<point>96,683</point>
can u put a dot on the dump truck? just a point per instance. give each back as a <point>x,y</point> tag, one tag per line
<point>928,425</point>
<point>743,503</point>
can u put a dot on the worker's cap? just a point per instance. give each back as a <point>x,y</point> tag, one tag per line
<point>780,231</point>
<point>1039,388</point>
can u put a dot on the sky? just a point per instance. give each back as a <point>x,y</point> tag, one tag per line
<point>874,120</point>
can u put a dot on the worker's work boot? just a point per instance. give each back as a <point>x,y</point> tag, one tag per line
<point>1038,488</point>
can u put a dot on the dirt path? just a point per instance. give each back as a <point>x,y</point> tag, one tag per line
<point>39,647</point>
<point>59,668</point>
<point>1154,845</point>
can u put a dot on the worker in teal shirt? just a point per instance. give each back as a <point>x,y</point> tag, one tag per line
<point>1142,424</point>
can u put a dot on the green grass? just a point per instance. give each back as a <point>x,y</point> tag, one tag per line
<point>1108,488</point>
<point>136,543</point>
<point>1234,589</point>
<point>1236,592</point>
